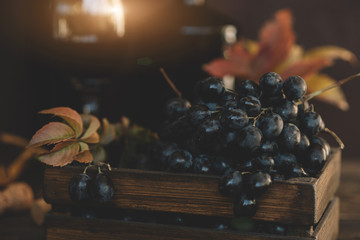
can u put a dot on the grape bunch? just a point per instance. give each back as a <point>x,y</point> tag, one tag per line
<point>250,136</point>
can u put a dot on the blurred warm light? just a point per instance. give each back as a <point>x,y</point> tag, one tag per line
<point>88,20</point>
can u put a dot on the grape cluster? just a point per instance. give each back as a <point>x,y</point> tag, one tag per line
<point>83,188</point>
<point>251,135</point>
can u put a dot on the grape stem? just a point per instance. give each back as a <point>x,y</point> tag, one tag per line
<point>336,84</point>
<point>171,83</point>
<point>338,140</point>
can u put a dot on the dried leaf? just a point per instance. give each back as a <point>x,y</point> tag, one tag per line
<point>52,133</point>
<point>69,115</point>
<point>108,133</point>
<point>334,96</point>
<point>276,40</point>
<point>95,138</point>
<point>61,145</point>
<point>93,124</point>
<point>61,157</point>
<point>331,52</point>
<point>84,157</point>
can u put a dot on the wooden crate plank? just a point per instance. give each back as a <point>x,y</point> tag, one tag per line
<point>292,202</point>
<point>328,226</point>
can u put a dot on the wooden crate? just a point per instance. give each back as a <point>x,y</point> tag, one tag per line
<point>66,227</point>
<point>298,201</point>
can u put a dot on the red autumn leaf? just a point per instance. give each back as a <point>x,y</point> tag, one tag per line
<point>52,133</point>
<point>69,115</point>
<point>84,157</point>
<point>62,157</point>
<point>306,67</point>
<point>276,40</point>
<point>93,125</point>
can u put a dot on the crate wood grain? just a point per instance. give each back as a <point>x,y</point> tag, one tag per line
<point>299,201</point>
<point>66,227</point>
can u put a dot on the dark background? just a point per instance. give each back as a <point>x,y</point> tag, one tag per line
<point>35,70</point>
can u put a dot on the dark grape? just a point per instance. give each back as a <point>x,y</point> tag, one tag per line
<point>270,84</point>
<point>202,164</point>
<point>269,147</point>
<point>287,110</point>
<point>251,105</point>
<point>220,165</point>
<point>311,124</point>
<point>78,188</point>
<point>245,206</point>
<point>231,184</point>
<point>248,88</point>
<point>180,161</point>
<point>101,188</point>
<point>285,162</point>
<point>322,142</point>
<point>249,138</point>
<point>315,158</point>
<point>234,119</point>
<point>258,182</point>
<point>271,125</point>
<point>294,88</point>
<point>198,113</point>
<point>176,107</point>
<point>210,89</point>
<point>290,137</point>
<point>263,162</point>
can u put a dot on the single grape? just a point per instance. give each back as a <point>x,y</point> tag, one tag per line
<point>180,161</point>
<point>249,138</point>
<point>231,184</point>
<point>287,110</point>
<point>311,124</point>
<point>198,113</point>
<point>78,188</point>
<point>208,134</point>
<point>271,125</point>
<point>248,88</point>
<point>202,164</point>
<point>303,144</point>
<point>270,84</point>
<point>263,162</point>
<point>251,105</point>
<point>101,188</point>
<point>220,165</point>
<point>294,88</point>
<point>323,142</point>
<point>210,89</point>
<point>269,147</point>
<point>245,206</point>
<point>290,137</point>
<point>176,107</point>
<point>234,119</point>
<point>258,182</point>
<point>285,162</point>
<point>315,158</point>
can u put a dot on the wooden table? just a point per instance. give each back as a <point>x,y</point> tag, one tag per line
<point>21,227</point>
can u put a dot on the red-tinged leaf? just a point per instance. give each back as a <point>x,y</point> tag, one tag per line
<point>306,68</point>
<point>333,96</point>
<point>52,133</point>
<point>92,124</point>
<point>108,133</point>
<point>95,138</point>
<point>62,157</point>
<point>237,62</point>
<point>331,52</point>
<point>69,115</point>
<point>276,40</point>
<point>61,145</point>
<point>84,157</point>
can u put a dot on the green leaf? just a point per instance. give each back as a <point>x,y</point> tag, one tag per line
<point>83,146</point>
<point>52,133</point>
<point>69,115</point>
<point>93,125</point>
<point>62,157</point>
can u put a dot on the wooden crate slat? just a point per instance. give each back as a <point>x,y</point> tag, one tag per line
<point>60,227</point>
<point>297,201</point>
